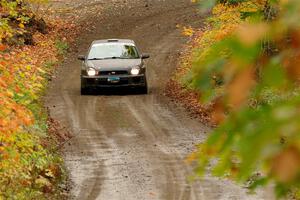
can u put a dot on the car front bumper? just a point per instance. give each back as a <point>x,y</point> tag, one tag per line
<point>114,81</point>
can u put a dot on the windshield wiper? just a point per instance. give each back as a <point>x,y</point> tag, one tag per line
<point>113,57</point>
<point>95,58</point>
<point>106,58</point>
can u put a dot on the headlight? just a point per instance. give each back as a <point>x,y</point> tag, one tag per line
<point>135,71</point>
<point>91,72</point>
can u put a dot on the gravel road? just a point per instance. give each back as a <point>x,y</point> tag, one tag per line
<point>128,146</point>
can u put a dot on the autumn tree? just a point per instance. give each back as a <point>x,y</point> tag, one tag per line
<point>252,74</point>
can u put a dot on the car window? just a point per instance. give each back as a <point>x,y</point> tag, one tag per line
<point>113,50</point>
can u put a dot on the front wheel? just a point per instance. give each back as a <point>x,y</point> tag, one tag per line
<point>83,89</point>
<point>144,89</point>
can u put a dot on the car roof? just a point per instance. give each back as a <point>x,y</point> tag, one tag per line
<point>114,41</point>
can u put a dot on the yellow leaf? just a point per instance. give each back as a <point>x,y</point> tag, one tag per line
<point>28,67</point>
<point>188,31</point>
<point>21,25</point>
<point>9,93</point>
<point>191,158</point>
<point>42,181</point>
<point>49,173</point>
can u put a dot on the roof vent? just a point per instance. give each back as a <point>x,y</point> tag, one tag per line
<point>112,40</point>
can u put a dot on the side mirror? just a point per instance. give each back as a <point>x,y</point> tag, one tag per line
<point>81,57</point>
<point>145,56</point>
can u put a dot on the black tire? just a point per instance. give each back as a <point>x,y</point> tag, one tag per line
<point>84,89</point>
<point>144,89</point>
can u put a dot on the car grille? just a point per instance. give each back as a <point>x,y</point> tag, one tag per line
<point>121,82</point>
<point>122,72</point>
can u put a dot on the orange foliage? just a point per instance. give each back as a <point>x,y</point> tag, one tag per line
<point>24,73</point>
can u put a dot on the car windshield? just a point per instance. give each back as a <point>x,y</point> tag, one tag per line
<point>113,51</point>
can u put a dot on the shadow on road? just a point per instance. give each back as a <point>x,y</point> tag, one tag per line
<point>114,92</point>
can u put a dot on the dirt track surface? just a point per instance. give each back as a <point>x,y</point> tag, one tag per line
<point>128,146</point>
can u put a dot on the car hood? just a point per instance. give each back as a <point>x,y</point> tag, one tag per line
<point>114,64</point>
